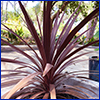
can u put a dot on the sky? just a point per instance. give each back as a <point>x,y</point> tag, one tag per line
<point>10,8</point>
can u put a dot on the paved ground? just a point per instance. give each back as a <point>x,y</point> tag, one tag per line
<point>74,67</point>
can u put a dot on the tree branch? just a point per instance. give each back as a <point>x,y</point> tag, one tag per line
<point>60,10</point>
<point>54,3</point>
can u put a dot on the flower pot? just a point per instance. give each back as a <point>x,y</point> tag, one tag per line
<point>93,68</point>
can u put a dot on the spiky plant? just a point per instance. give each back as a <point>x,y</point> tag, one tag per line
<point>47,74</point>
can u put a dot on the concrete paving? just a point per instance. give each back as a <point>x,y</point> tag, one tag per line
<point>74,67</point>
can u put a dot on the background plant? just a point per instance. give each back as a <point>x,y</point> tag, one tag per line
<point>47,76</point>
<point>16,14</point>
<point>11,38</point>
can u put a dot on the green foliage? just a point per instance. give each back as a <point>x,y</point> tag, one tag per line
<point>97,49</point>
<point>11,38</point>
<point>96,4</point>
<point>57,37</point>
<point>82,39</point>
<point>19,32</point>
<point>84,8</point>
<point>89,41</point>
<point>13,15</point>
<point>96,35</point>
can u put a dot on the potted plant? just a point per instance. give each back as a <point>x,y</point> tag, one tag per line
<point>46,80</point>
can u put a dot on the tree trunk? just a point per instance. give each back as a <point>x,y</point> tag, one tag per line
<point>60,10</point>
<point>6,11</point>
<point>25,3</point>
<point>93,23</point>
<point>15,5</point>
<point>1,10</point>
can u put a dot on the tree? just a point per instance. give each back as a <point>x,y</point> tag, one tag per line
<point>1,10</point>
<point>93,23</point>
<point>85,7</point>
<point>72,5</point>
<point>60,7</point>
<point>6,11</point>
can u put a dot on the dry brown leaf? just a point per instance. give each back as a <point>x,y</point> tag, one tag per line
<point>20,84</point>
<point>52,91</point>
<point>47,69</point>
